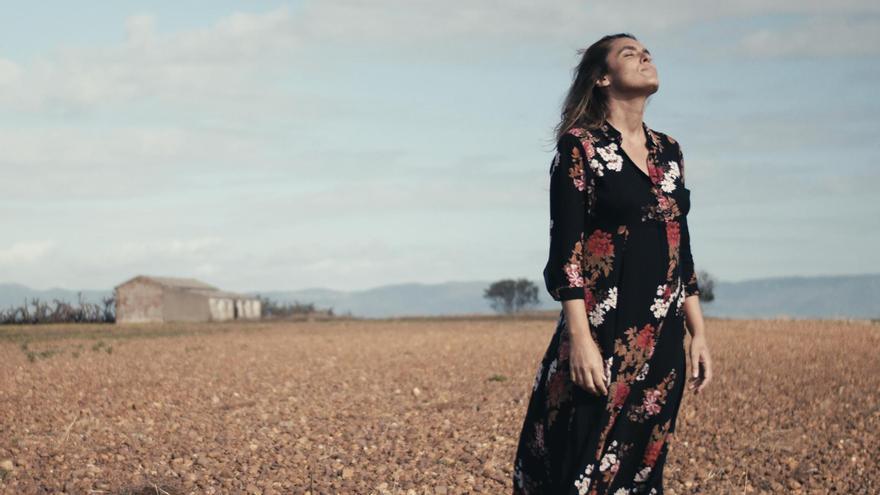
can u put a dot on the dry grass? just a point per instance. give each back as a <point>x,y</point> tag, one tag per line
<point>404,406</point>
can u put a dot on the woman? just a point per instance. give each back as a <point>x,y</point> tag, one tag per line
<point>605,399</point>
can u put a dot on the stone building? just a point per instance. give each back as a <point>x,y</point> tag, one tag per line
<point>163,299</point>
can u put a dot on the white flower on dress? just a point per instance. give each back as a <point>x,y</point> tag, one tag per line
<point>597,315</point>
<point>608,367</point>
<point>661,305</point>
<point>668,182</point>
<point>609,459</point>
<point>621,491</point>
<point>643,373</point>
<point>583,481</point>
<point>642,475</point>
<point>680,302</point>
<point>612,159</point>
<point>597,167</point>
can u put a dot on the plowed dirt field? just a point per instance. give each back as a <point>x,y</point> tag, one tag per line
<point>412,406</point>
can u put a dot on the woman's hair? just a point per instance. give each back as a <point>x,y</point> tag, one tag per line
<point>585,104</point>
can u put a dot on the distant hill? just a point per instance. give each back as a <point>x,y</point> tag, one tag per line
<point>835,296</point>
<point>843,296</point>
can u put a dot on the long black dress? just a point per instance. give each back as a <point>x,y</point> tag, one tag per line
<point>619,240</point>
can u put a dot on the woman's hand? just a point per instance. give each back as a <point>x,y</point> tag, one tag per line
<point>585,358</point>
<point>587,366</point>
<point>700,362</point>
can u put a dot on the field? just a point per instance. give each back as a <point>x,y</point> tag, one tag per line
<point>411,406</point>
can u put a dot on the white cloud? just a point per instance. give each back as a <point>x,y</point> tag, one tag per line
<point>140,28</point>
<point>57,163</point>
<point>240,55</point>
<point>156,111</point>
<point>822,37</point>
<point>10,72</point>
<point>170,248</point>
<point>25,252</point>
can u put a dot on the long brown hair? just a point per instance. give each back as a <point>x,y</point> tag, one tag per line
<point>585,104</point>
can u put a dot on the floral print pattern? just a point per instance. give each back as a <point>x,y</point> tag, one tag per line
<point>619,240</point>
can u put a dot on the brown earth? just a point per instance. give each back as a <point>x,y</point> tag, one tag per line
<point>418,406</point>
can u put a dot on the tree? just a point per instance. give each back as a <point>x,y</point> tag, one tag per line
<point>510,296</point>
<point>706,282</point>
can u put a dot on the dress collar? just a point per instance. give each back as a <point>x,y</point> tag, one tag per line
<point>613,134</point>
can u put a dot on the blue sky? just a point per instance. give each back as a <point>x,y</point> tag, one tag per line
<point>281,145</point>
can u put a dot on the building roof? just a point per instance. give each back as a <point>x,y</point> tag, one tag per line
<point>187,284</point>
<point>172,282</point>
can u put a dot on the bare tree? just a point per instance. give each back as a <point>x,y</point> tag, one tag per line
<point>37,311</point>
<point>511,296</point>
<point>707,286</point>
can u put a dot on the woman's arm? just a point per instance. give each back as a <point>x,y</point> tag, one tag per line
<point>693,312</point>
<point>564,270</point>
<point>701,361</point>
<point>692,309</point>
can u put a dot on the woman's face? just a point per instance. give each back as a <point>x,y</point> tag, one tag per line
<point>631,69</point>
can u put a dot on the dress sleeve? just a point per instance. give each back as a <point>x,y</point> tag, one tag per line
<point>688,274</point>
<point>563,273</point>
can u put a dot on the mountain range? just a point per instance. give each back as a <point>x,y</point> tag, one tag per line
<point>838,296</point>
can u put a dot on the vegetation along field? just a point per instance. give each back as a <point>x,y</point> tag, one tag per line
<point>410,406</point>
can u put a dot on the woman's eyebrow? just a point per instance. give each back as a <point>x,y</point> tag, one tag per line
<point>631,47</point>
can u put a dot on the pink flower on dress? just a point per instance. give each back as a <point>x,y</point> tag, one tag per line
<point>673,233</point>
<point>653,452</point>
<point>650,403</point>
<point>599,244</point>
<point>573,272</point>
<point>621,391</point>
<point>645,337</point>
<point>591,152</point>
<point>656,173</point>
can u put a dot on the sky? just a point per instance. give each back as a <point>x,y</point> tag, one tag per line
<point>268,145</point>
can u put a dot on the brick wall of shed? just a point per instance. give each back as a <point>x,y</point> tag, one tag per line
<point>138,302</point>
<point>185,306</point>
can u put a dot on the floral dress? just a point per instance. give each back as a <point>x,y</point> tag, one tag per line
<point>619,240</point>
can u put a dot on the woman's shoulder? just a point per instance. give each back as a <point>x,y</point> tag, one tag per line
<point>579,133</point>
<point>666,140</point>
<point>576,135</point>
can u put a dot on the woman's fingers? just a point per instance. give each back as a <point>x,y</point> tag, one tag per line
<point>702,372</point>
<point>701,382</point>
<point>696,365</point>
<point>578,378</point>
<point>588,383</point>
<point>599,380</point>
<point>707,373</point>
